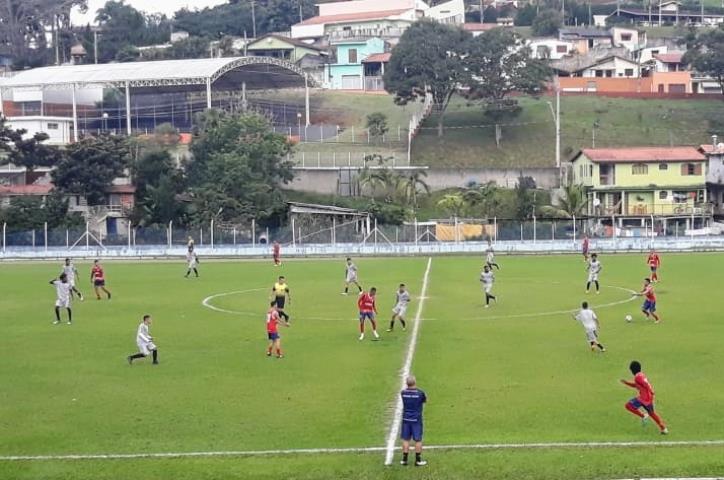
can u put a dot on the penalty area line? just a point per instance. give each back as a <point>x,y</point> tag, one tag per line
<point>405,371</point>
<point>348,450</point>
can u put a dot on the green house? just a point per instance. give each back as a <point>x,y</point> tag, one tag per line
<point>277,46</point>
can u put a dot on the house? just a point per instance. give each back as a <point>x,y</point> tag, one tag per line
<point>573,64</point>
<point>550,48</point>
<point>669,62</point>
<point>374,70</point>
<point>348,71</point>
<point>656,82</point>
<point>277,46</point>
<point>58,129</point>
<point>706,85</point>
<point>668,13</point>
<point>635,183</point>
<point>611,67</point>
<point>476,29</point>
<point>653,47</point>
<point>715,175</point>
<point>362,19</point>
<point>629,38</point>
<point>586,38</point>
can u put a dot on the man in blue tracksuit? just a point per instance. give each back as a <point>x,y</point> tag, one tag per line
<point>412,401</point>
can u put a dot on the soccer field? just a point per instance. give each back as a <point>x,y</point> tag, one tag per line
<point>504,378</point>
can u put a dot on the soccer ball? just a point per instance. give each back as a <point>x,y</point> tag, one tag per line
<point>629,318</point>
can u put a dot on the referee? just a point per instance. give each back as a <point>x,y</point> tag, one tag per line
<point>412,401</point>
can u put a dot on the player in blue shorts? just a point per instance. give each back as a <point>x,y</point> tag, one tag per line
<point>413,400</point>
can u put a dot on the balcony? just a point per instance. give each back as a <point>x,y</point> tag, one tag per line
<point>365,34</point>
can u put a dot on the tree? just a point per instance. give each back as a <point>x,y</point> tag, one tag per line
<point>158,183</point>
<point>547,22</point>
<point>500,64</point>
<point>452,203</point>
<point>571,203</point>
<point>377,125</point>
<point>238,165</point>
<point>705,54</point>
<point>525,202</point>
<point>90,166</point>
<point>525,16</point>
<point>428,60</point>
<point>29,152</point>
<point>411,184</point>
<point>482,198</point>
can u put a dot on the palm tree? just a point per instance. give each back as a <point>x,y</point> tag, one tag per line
<point>483,196</point>
<point>411,184</point>
<point>572,203</point>
<point>453,203</point>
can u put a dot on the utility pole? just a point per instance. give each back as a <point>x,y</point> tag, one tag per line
<point>95,46</point>
<point>301,17</point>
<point>253,19</point>
<point>482,9</point>
<point>56,24</point>
<point>556,114</point>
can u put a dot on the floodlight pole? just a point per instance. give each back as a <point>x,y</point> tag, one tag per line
<point>306,100</point>
<point>75,116</point>
<point>208,93</point>
<point>128,109</point>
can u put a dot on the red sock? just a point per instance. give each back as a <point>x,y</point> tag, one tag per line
<point>657,419</point>
<point>361,327</point>
<point>634,410</point>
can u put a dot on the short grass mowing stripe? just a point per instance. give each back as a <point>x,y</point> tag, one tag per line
<point>397,415</point>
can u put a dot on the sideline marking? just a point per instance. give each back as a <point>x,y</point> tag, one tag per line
<point>317,451</point>
<point>206,302</point>
<point>397,416</point>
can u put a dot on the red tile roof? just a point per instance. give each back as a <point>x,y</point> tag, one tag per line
<point>121,189</point>
<point>378,57</point>
<point>35,189</point>
<point>643,154</point>
<point>709,149</point>
<point>479,27</point>
<point>351,17</point>
<point>672,57</point>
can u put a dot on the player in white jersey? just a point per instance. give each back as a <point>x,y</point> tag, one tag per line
<point>144,340</point>
<point>402,299</point>
<point>589,320</point>
<point>71,273</point>
<point>192,261</point>
<point>350,276</point>
<point>490,258</point>
<point>64,294</point>
<point>594,268</point>
<point>487,278</point>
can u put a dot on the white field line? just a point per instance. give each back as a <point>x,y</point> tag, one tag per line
<point>405,371</point>
<point>323,451</point>
<point>206,302</point>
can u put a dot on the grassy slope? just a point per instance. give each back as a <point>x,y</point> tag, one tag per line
<point>489,379</point>
<point>469,139</point>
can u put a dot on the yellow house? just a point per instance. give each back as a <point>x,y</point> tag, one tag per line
<point>641,182</point>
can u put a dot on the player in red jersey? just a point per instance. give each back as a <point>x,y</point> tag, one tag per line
<point>272,322</point>
<point>649,306</point>
<point>367,311</point>
<point>644,399</point>
<point>98,279</point>
<point>277,253</point>
<point>584,248</point>
<point>654,262</point>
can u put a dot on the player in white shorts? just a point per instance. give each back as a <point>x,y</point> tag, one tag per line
<point>594,268</point>
<point>401,302</point>
<point>589,320</point>
<point>193,261</point>
<point>487,278</point>
<point>64,294</point>
<point>490,258</point>
<point>71,273</point>
<point>144,340</point>
<point>350,276</point>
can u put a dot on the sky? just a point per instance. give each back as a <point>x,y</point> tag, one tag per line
<point>151,6</point>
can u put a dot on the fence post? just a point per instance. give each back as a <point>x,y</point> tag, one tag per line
<point>535,233</point>
<point>67,239</point>
<point>553,231</point>
<point>134,237</point>
<point>5,226</point>
<point>495,230</point>
<point>212,233</point>
<point>201,236</point>
<point>87,235</point>
<point>415,230</point>
<point>294,238</point>
<point>375,232</point>
<point>574,229</point>
<point>521,231</point>
<point>303,159</point>
<point>45,234</point>
<point>253,232</point>
<point>321,133</point>
<point>129,235</point>
<point>299,236</point>
<point>319,159</point>
<point>692,226</point>
<point>368,135</point>
<point>234,235</point>
<point>349,159</point>
<point>170,233</point>
<point>613,225</point>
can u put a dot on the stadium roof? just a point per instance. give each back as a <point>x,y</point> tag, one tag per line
<point>257,72</point>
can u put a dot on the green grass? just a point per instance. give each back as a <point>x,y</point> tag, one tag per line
<point>512,373</point>
<point>529,139</point>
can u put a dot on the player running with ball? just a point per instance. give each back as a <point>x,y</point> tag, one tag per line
<point>649,306</point>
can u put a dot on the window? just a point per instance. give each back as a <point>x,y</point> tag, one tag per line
<point>628,72</point>
<point>625,37</point>
<point>688,169</point>
<point>609,73</point>
<point>599,73</point>
<point>654,52</point>
<point>663,195</point>
<point>640,169</point>
<point>52,126</point>
<point>663,166</point>
<point>352,58</point>
<point>590,170</point>
<point>561,49</point>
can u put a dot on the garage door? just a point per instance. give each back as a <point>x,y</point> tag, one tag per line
<point>351,82</point>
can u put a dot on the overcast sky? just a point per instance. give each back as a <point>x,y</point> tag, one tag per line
<point>151,6</point>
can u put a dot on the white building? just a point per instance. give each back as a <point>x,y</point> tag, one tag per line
<point>613,67</point>
<point>58,129</point>
<point>629,38</point>
<point>550,48</point>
